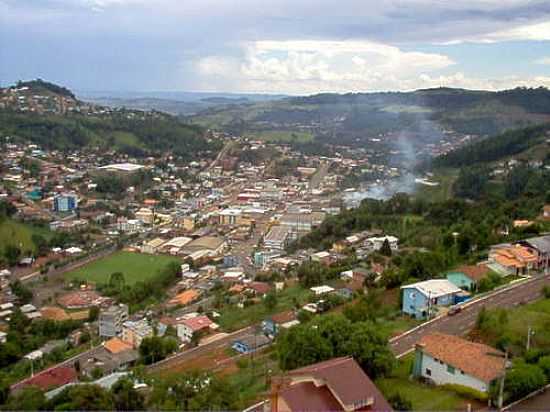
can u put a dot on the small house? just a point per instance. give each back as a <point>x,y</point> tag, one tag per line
<point>420,300</point>
<point>450,360</point>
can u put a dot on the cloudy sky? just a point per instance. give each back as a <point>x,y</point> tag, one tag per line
<point>281,46</point>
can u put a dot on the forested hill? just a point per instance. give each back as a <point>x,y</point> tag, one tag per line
<point>532,100</point>
<point>48,115</point>
<point>357,116</point>
<point>498,147</point>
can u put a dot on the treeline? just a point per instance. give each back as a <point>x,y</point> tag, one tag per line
<point>532,100</point>
<point>191,391</point>
<point>495,148</point>
<point>136,136</point>
<point>142,292</point>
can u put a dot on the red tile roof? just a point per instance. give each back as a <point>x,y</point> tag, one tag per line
<point>306,397</point>
<point>49,378</point>
<point>197,323</point>
<point>347,383</point>
<point>475,359</point>
<point>474,272</point>
<point>259,287</point>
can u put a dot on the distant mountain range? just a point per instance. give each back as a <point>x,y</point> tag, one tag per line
<point>177,103</point>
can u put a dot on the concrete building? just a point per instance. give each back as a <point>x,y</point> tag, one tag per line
<point>133,332</point>
<point>277,238</point>
<point>65,202</point>
<point>111,320</point>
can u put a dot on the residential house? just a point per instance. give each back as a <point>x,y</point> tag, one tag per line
<point>48,379</point>
<point>133,332</point>
<point>185,298</point>
<point>250,343</point>
<point>258,288</point>
<point>111,320</point>
<point>187,328</point>
<point>420,300</point>
<point>447,359</point>
<point>512,260</point>
<point>335,385</point>
<point>468,277</point>
<point>376,243</point>
<point>539,246</point>
<point>275,323</point>
<point>546,212</point>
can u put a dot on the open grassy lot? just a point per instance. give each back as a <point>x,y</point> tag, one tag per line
<point>135,267</point>
<point>234,318</point>
<point>20,234</point>
<point>510,326</point>
<point>423,397</point>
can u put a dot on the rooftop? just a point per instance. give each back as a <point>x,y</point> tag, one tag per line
<point>475,359</point>
<point>434,287</point>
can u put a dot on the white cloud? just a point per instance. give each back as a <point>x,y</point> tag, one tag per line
<point>529,32</point>
<point>309,66</point>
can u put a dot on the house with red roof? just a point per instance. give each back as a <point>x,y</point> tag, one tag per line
<point>335,385</point>
<point>48,379</point>
<point>189,327</point>
<point>446,359</point>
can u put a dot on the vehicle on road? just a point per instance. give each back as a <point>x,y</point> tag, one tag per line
<point>454,310</point>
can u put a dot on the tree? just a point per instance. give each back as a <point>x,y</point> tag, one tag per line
<point>12,254</point>
<point>82,398</point>
<point>386,248</point>
<point>117,281</point>
<point>41,244</point>
<point>270,300</point>
<point>23,293</point>
<point>400,403</point>
<point>156,348</point>
<point>29,399</point>
<point>126,398</point>
<point>522,380</point>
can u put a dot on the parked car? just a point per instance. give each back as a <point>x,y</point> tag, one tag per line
<point>454,310</point>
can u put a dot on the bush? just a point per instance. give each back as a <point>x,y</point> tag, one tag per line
<point>466,392</point>
<point>546,292</point>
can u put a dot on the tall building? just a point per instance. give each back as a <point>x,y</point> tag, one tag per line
<point>111,320</point>
<point>65,202</point>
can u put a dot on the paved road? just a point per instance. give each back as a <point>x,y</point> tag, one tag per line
<point>191,354</point>
<point>463,322</point>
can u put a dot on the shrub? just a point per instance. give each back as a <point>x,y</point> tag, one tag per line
<point>467,392</point>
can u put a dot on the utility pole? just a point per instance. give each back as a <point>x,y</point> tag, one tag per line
<point>530,332</point>
<point>501,388</point>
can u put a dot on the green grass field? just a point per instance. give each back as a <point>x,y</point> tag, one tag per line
<point>135,267</point>
<point>440,193</point>
<point>20,234</point>
<point>423,397</point>
<point>233,317</point>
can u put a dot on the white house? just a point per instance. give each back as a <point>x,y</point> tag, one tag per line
<point>447,359</point>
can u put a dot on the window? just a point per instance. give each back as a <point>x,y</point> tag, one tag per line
<point>451,369</point>
<point>436,360</point>
<point>428,372</point>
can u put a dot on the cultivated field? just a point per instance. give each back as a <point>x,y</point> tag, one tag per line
<point>135,267</point>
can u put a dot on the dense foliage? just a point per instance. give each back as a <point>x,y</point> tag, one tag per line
<point>494,148</point>
<point>332,336</point>
<point>137,136</point>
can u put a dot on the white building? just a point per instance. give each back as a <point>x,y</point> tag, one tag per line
<point>446,359</point>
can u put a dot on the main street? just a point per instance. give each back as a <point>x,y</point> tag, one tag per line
<point>462,322</point>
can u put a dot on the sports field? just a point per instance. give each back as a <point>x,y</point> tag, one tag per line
<point>134,266</point>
